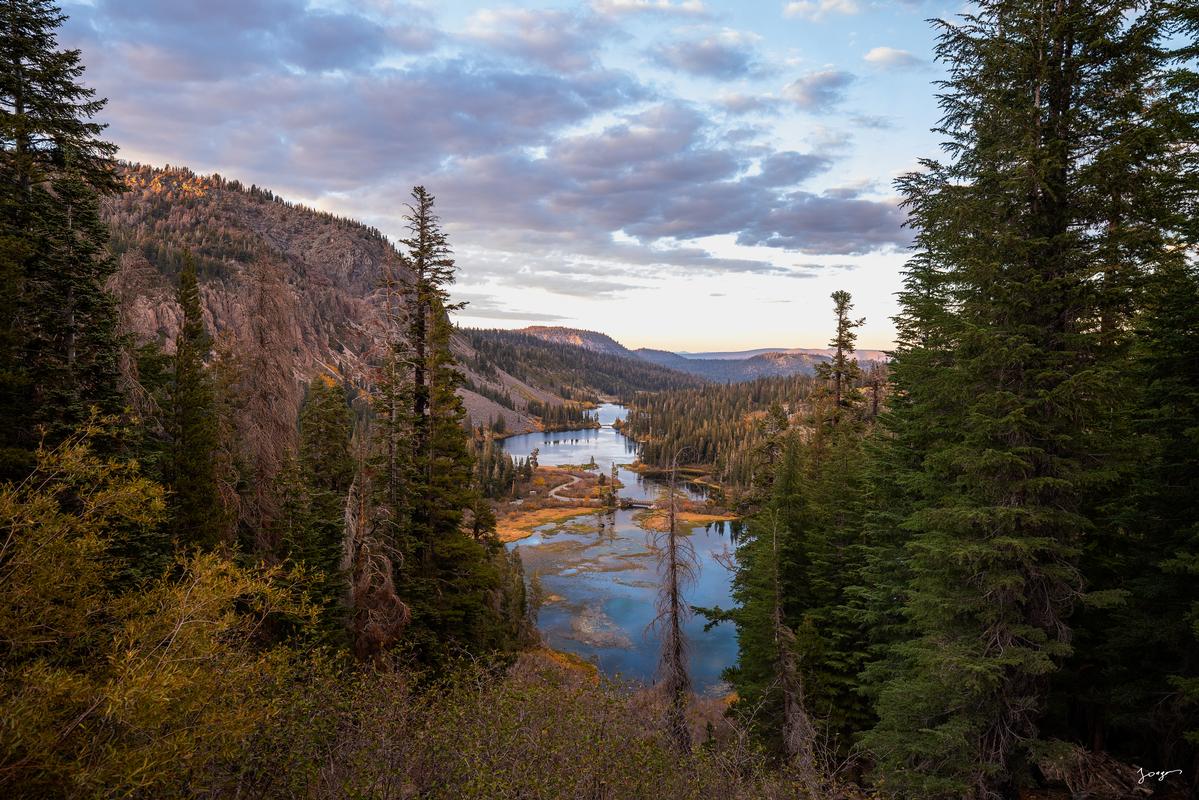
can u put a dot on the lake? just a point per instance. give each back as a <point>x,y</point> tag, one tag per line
<point>600,574</point>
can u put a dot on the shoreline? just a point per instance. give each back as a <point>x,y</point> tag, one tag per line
<point>499,437</point>
<point>523,524</point>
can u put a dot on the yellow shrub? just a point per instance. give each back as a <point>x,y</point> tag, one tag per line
<point>116,694</point>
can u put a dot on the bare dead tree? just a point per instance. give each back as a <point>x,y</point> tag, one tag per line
<point>377,615</point>
<point>676,559</point>
<point>271,396</point>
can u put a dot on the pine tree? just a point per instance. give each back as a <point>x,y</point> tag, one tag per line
<point>843,369</point>
<point>1012,400</point>
<point>196,510</point>
<point>452,574</point>
<point>317,483</point>
<point>1133,685</point>
<point>58,342</point>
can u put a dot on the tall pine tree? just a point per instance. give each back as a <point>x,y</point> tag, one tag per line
<point>843,369</point>
<point>451,572</point>
<point>315,485</point>
<point>58,341</point>
<point>1010,328</point>
<point>196,509</point>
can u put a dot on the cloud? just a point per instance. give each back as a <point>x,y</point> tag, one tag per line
<point>819,9</point>
<point>482,306</point>
<point>551,171</point>
<point>661,179</point>
<point>737,103</point>
<point>826,224</point>
<point>789,168</point>
<point>724,56</point>
<point>872,121</point>
<point>819,92</point>
<point>891,57</point>
<point>558,40</point>
<point>690,8</point>
<point>190,40</point>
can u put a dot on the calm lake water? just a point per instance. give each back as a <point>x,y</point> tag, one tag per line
<point>601,575</point>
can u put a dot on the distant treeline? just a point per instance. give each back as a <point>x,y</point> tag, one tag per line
<point>720,425</point>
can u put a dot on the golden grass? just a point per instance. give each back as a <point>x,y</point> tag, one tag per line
<point>520,524</point>
<point>570,661</point>
<point>655,519</point>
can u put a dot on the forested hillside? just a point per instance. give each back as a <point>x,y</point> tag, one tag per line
<point>588,340</point>
<point>571,370</point>
<point>725,430</point>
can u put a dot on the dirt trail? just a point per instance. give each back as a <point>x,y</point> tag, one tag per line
<point>573,480</point>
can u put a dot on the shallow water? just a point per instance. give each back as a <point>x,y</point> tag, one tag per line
<point>600,573</point>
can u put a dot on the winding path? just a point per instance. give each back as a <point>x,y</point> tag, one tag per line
<point>573,480</point>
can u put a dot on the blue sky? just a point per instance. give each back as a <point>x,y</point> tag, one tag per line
<point>684,174</point>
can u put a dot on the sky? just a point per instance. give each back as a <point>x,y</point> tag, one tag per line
<point>690,175</point>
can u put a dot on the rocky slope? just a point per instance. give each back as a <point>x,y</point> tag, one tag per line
<point>269,271</point>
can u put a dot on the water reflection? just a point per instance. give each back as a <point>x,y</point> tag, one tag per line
<point>599,573</point>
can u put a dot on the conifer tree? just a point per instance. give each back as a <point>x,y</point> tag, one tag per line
<point>843,369</point>
<point>1133,684</point>
<point>58,344</point>
<point>314,498</point>
<point>195,506</point>
<point>1012,397</point>
<point>450,574</point>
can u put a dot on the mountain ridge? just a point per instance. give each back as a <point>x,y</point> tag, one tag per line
<point>732,366</point>
<point>305,280</point>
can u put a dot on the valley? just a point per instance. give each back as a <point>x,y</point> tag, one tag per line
<point>596,567</point>
<point>379,495</point>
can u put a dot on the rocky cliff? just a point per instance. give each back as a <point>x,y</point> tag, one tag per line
<point>269,271</point>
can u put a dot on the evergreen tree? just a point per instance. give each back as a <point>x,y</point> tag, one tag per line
<point>843,370</point>
<point>58,342</point>
<point>802,644</point>
<point>315,487</point>
<point>1013,401</point>
<point>196,510</point>
<point>451,572</point>
<point>1131,687</point>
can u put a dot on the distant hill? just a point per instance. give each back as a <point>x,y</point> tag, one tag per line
<point>730,370</point>
<point>860,355</point>
<point>550,357</point>
<point>588,340</point>
<point>720,367</point>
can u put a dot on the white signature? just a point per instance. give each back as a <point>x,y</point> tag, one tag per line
<point>1160,774</point>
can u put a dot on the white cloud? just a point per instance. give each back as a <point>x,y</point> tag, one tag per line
<point>891,57</point>
<point>818,92</point>
<point>615,7</point>
<point>818,9</point>
<point>555,39</point>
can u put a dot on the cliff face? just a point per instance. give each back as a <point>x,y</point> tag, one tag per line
<point>252,251</point>
<point>270,271</point>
